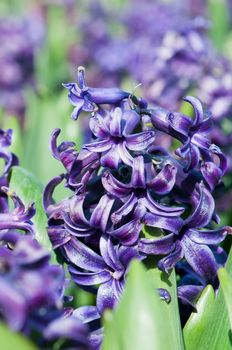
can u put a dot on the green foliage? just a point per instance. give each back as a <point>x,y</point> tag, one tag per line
<point>218,13</point>
<point>142,320</point>
<point>226,285</point>
<point>209,328</point>
<point>11,341</point>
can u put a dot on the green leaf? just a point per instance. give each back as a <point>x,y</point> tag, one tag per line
<point>29,189</point>
<point>212,320</point>
<point>226,285</point>
<point>141,320</point>
<point>198,320</point>
<point>218,12</point>
<point>11,340</point>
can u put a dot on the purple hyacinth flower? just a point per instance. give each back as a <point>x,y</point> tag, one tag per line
<point>191,242</point>
<point>87,99</point>
<point>108,270</point>
<point>20,217</point>
<point>114,136</point>
<point>137,195</point>
<point>70,329</point>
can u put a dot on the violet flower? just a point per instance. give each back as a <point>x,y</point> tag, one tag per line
<point>130,198</point>
<point>191,243</point>
<point>115,139</point>
<point>107,270</point>
<point>87,99</point>
<point>25,305</point>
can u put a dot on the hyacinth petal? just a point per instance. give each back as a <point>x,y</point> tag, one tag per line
<point>58,236</point>
<point>77,110</point>
<point>170,261</point>
<point>75,230</point>
<point>74,92</point>
<point>96,339</point>
<point>127,234</point>
<point>98,126</point>
<point>159,209</point>
<point>138,173</point>
<point>99,146</point>
<point>106,246</point>
<point>68,328</point>
<point>49,189</point>
<point>193,157</point>
<point>140,141</point>
<point>206,125</point>
<point>100,215</point>
<point>209,237</point>
<point>200,258</point>
<point>107,95</point>
<point>131,119</point>
<point>88,105</point>
<point>106,298</point>
<point>125,156</point>
<point>89,278</point>
<point>12,305</point>
<point>127,254</point>
<point>53,143</point>
<point>10,160</point>
<point>9,225</point>
<point>76,210</point>
<point>180,125</point>
<point>189,294</point>
<point>200,141</point>
<point>163,182</point>
<point>114,186</point>
<point>111,159</point>
<point>203,208</point>
<point>82,256</point>
<point>222,158</point>
<point>125,209</point>
<point>198,110</point>
<point>29,252</point>
<point>211,173</point>
<point>159,119</point>
<point>172,224</point>
<point>5,137</point>
<point>86,314</point>
<point>157,246</point>
<point>115,122</point>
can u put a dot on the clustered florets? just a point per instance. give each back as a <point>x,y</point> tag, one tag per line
<point>124,183</point>
<point>31,289</point>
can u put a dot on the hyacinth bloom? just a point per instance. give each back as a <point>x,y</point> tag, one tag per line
<point>86,98</point>
<point>124,183</point>
<point>191,242</point>
<point>115,138</point>
<point>108,269</point>
<point>25,305</point>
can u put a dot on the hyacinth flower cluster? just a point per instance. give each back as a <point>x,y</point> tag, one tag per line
<point>26,305</point>
<point>177,58</point>
<point>123,184</point>
<point>17,58</point>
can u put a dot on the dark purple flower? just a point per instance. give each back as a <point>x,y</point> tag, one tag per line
<point>115,140</point>
<point>191,243</point>
<point>87,99</point>
<point>137,195</point>
<point>107,270</point>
